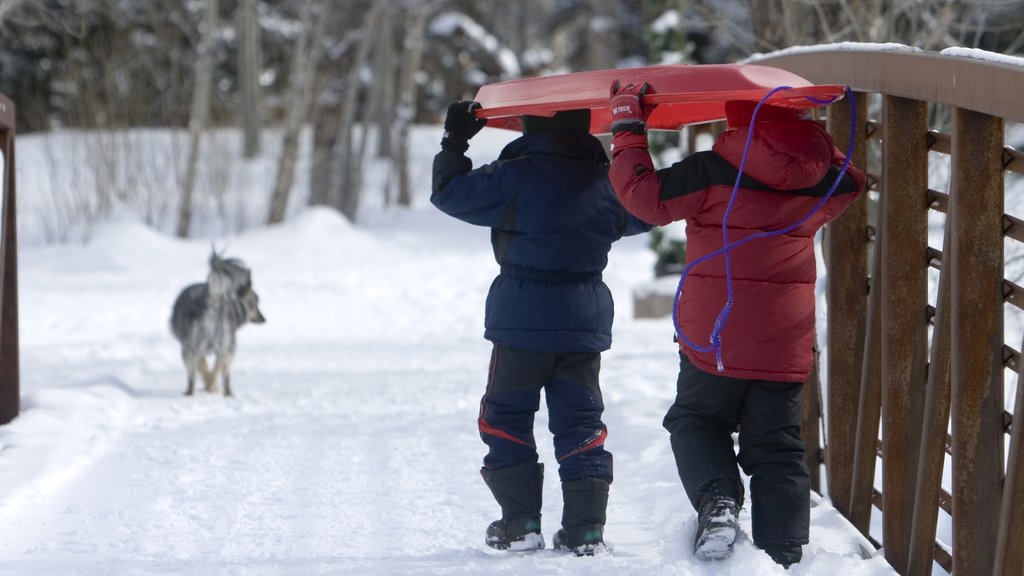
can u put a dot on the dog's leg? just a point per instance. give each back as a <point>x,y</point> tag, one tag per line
<point>209,377</point>
<point>190,368</point>
<point>225,367</point>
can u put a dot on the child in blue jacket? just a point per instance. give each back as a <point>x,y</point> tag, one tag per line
<point>553,216</point>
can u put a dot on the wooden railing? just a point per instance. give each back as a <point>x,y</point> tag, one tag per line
<point>927,374</point>
<point>9,362</point>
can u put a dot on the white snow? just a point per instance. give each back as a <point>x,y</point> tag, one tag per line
<point>351,447</point>
<point>960,52</point>
<point>446,24</point>
<point>976,54</point>
<point>668,21</point>
<point>844,46</point>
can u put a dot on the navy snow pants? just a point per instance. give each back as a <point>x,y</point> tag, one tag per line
<point>570,383</point>
<point>768,415</point>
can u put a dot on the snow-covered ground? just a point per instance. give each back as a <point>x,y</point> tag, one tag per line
<point>351,447</point>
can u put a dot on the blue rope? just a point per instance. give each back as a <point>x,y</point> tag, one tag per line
<point>723,314</point>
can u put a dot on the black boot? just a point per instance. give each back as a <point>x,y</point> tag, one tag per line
<point>785,554</point>
<point>584,503</point>
<point>717,528</point>
<point>518,490</point>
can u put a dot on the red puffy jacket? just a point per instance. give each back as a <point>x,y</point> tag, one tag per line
<point>790,166</point>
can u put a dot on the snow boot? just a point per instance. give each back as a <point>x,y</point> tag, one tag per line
<point>784,554</point>
<point>518,490</point>
<point>584,504</point>
<point>717,528</point>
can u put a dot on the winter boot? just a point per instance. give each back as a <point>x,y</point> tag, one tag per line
<point>785,554</point>
<point>717,528</point>
<point>584,503</point>
<point>518,490</point>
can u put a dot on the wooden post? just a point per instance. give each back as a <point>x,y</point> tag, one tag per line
<point>810,428</point>
<point>869,404</point>
<point>10,394</point>
<point>976,213</point>
<point>846,259</point>
<point>936,423</point>
<point>904,330</point>
<point>1010,545</point>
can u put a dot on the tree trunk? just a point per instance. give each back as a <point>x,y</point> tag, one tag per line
<point>326,115</point>
<point>603,45</point>
<point>325,135</point>
<point>345,170</point>
<point>198,116</point>
<point>520,37</point>
<point>307,53</point>
<point>384,78</point>
<point>379,107</point>
<point>406,115</point>
<point>249,61</point>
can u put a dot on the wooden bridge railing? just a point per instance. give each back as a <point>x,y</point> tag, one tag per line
<point>927,374</point>
<point>9,362</point>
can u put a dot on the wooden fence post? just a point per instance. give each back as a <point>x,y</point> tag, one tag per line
<point>869,404</point>
<point>976,212</point>
<point>904,278</point>
<point>810,428</point>
<point>10,402</point>
<point>1010,546</point>
<point>846,257</point>
<point>936,422</point>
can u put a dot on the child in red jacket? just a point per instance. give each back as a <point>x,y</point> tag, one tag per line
<point>749,378</point>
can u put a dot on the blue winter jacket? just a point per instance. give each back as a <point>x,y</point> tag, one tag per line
<point>553,216</point>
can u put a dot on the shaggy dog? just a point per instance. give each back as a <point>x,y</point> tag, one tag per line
<point>206,316</point>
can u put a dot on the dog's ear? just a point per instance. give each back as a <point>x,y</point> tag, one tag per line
<point>215,259</point>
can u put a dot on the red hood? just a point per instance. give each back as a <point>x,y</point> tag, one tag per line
<point>782,155</point>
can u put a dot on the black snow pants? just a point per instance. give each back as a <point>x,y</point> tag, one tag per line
<point>708,409</point>
<point>570,381</point>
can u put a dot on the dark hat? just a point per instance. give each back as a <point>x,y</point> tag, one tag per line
<point>738,113</point>
<point>564,120</point>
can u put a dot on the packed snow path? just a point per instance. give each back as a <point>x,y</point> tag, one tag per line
<point>351,447</point>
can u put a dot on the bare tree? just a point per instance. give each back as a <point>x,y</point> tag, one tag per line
<point>384,82</point>
<point>249,61</point>
<point>777,23</point>
<point>308,49</point>
<point>199,114</point>
<point>407,95</point>
<point>325,118</point>
<point>325,126</point>
<point>603,47</point>
<point>346,171</point>
<point>8,6</point>
<point>378,109</point>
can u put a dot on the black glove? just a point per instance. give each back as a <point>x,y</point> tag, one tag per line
<point>460,124</point>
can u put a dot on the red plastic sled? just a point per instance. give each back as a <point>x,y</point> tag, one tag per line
<point>680,94</point>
